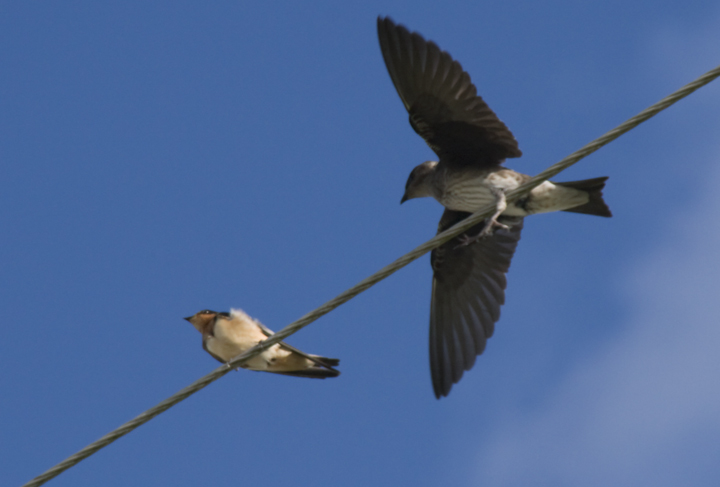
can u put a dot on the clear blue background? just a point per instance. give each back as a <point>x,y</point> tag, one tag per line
<point>160,158</point>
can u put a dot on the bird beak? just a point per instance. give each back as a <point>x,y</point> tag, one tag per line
<point>188,318</point>
<point>404,199</point>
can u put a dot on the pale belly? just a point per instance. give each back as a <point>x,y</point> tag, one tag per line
<point>231,341</point>
<point>472,194</point>
<point>229,350</point>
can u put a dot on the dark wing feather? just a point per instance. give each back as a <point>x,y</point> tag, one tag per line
<point>443,104</point>
<point>312,373</point>
<point>467,292</point>
<point>325,362</point>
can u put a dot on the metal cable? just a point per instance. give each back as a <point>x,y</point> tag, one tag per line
<point>373,279</point>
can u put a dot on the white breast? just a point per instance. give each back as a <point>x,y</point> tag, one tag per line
<point>472,193</point>
<point>234,336</point>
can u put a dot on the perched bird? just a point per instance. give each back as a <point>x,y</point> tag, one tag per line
<point>471,143</point>
<point>227,335</point>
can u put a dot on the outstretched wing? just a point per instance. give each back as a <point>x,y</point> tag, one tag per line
<point>443,104</point>
<point>467,292</point>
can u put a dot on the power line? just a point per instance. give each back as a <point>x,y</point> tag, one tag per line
<point>368,282</point>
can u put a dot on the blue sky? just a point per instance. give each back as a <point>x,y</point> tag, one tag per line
<point>161,158</point>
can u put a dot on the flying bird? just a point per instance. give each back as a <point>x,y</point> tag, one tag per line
<point>471,144</point>
<point>227,335</point>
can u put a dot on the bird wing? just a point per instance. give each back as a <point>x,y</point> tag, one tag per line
<point>443,104</point>
<point>313,358</point>
<point>467,292</point>
<point>205,347</point>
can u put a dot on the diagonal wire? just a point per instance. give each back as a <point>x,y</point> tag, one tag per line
<point>374,279</point>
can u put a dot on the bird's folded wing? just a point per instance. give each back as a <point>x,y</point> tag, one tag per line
<point>216,357</point>
<point>467,292</point>
<point>443,104</point>
<point>313,358</point>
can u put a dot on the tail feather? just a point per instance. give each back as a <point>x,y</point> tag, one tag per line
<point>312,373</point>
<point>322,369</point>
<point>594,187</point>
<point>330,362</point>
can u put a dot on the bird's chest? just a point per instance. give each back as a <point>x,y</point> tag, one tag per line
<point>473,191</point>
<point>231,339</point>
<point>240,335</point>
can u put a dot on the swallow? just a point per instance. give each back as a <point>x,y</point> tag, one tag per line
<point>227,335</point>
<point>471,143</point>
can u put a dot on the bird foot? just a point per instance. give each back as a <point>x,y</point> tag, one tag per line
<point>487,230</point>
<point>236,368</point>
<point>491,223</point>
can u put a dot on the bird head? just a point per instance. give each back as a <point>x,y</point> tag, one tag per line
<point>419,183</point>
<point>202,319</point>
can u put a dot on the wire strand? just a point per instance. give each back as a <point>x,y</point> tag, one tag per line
<point>374,279</point>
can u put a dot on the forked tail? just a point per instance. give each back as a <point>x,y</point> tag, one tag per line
<point>593,187</point>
